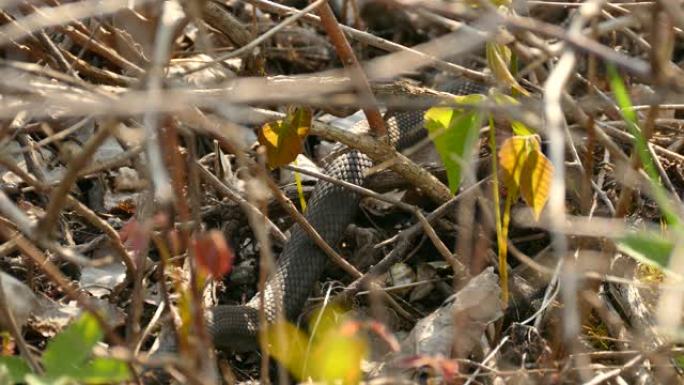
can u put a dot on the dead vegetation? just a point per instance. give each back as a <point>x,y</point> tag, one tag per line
<point>139,189</point>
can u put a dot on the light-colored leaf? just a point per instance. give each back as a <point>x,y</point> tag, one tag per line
<point>456,328</point>
<point>332,353</point>
<point>283,138</point>
<point>512,156</point>
<point>338,355</point>
<point>454,131</point>
<point>102,279</point>
<point>300,188</point>
<point>536,181</point>
<point>501,3</point>
<point>32,379</point>
<point>447,368</point>
<point>527,170</point>
<point>499,59</point>
<point>518,128</point>
<point>287,343</point>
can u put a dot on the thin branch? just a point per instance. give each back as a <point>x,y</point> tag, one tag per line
<point>378,42</point>
<point>226,191</point>
<point>163,191</point>
<point>251,45</point>
<point>310,230</point>
<point>351,63</point>
<point>7,314</point>
<point>59,195</point>
<point>63,14</point>
<point>405,238</point>
<point>82,210</point>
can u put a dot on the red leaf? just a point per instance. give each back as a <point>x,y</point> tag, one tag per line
<point>135,235</point>
<point>213,253</point>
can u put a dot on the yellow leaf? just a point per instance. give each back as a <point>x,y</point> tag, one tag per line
<point>338,353</point>
<point>512,156</point>
<point>331,354</point>
<point>536,181</point>
<point>186,316</point>
<point>518,128</point>
<point>526,169</point>
<point>287,343</point>
<point>498,59</point>
<point>283,138</point>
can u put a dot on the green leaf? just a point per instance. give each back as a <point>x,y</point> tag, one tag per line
<point>103,370</point>
<point>641,146</point>
<point>454,132</point>
<point>68,350</point>
<point>630,117</point>
<point>520,129</point>
<point>16,368</point>
<point>679,361</point>
<point>647,247</point>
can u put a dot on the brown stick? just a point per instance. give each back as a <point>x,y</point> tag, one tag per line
<point>358,77</point>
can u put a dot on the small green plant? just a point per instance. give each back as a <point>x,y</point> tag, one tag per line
<point>649,247</point>
<point>629,115</point>
<point>68,359</point>
<point>526,172</point>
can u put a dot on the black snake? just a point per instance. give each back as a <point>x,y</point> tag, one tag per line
<point>331,210</point>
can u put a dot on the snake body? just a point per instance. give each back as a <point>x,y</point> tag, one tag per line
<point>331,209</point>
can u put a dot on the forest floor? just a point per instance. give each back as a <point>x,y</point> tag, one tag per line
<point>156,159</point>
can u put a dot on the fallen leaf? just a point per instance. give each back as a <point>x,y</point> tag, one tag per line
<point>467,313</point>
<point>213,253</point>
<point>19,298</point>
<point>99,281</point>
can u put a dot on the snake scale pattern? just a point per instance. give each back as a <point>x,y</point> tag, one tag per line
<point>331,209</point>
